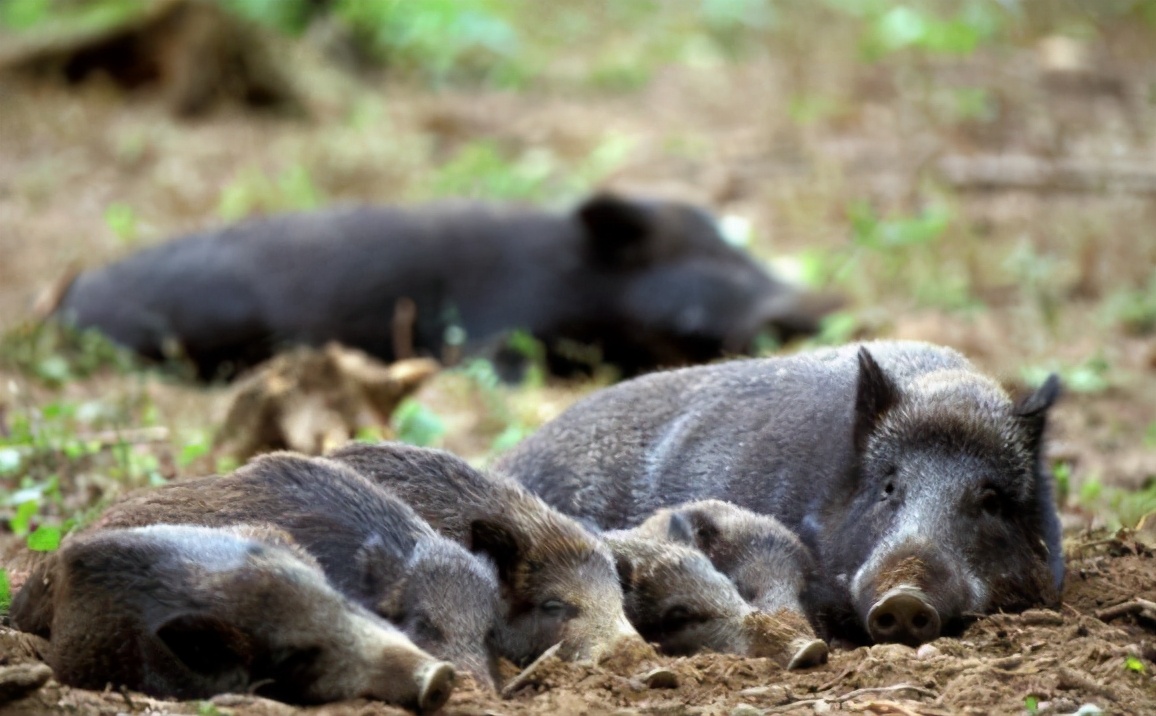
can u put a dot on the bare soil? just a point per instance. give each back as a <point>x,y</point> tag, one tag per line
<point>1061,659</point>
<point>1039,265</point>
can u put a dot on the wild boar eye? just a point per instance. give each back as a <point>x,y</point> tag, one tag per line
<point>990,501</point>
<point>677,616</point>
<point>553,608</point>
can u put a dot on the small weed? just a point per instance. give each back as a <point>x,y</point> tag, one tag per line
<point>255,192</point>
<point>482,170</point>
<point>1062,473</point>
<point>1134,664</point>
<point>1032,705</point>
<point>288,16</point>
<point>206,708</point>
<point>45,538</point>
<point>416,424</point>
<point>5,591</point>
<point>57,354</point>
<point>437,40</point>
<point>122,220</point>
<point>1091,376</point>
<point>1134,310</point>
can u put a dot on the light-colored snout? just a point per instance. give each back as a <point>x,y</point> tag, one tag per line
<point>904,615</point>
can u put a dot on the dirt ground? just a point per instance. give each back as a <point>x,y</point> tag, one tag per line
<point>1027,277</point>
<point>1060,659</point>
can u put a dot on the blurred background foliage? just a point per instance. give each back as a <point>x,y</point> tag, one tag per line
<point>1070,288</point>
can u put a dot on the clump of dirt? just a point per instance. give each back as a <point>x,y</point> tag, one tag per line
<point>1096,649</point>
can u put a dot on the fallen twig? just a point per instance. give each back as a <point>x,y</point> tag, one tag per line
<point>1135,606</point>
<point>855,694</point>
<point>526,676</point>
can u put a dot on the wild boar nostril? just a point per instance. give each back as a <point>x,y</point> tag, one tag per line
<point>920,621</point>
<point>885,621</point>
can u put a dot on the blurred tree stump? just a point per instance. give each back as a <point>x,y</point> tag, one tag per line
<point>314,400</point>
<point>191,51</point>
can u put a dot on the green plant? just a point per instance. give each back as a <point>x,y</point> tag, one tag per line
<point>289,16</point>
<point>5,591</point>
<point>416,424</point>
<point>1134,664</point>
<point>253,191</point>
<point>1091,376</point>
<point>56,354</point>
<point>122,220</point>
<point>1134,309</point>
<point>481,169</point>
<point>438,40</point>
<point>1032,704</point>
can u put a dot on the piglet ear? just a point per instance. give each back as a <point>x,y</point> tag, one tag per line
<point>377,570</point>
<point>617,230</point>
<point>680,530</point>
<point>1032,409</point>
<point>625,569</point>
<point>704,531</point>
<point>875,394</point>
<point>209,646</point>
<point>497,541</point>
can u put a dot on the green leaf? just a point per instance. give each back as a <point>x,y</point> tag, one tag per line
<point>417,424</point>
<point>20,523</point>
<point>1032,705</point>
<point>46,538</point>
<point>5,591</point>
<point>1133,663</point>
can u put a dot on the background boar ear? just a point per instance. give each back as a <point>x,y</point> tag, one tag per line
<point>500,544</point>
<point>1042,399</point>
<point>617,230</point>
<point>208,645</point>
<point>874,396</point>
<point>703,529</point>
<point>625,570</point>
<point>1032,409</point>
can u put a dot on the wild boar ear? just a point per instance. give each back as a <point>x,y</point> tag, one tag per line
<point>208,645</point>
<point>500,544</point>
<point>617,230</point>
<point>1032,409</point>
<point>377,569</point>
<point>875,394</point>
<point>625,569</point>
<point>703,529</point>
<point>680,530</point>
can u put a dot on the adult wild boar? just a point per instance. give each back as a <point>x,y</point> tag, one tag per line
<point>191,612</point>
<point>559,583</point>
<point>373,548</point>
<point>916,481</point>
<point>677,599</point>
<point>646,284</point>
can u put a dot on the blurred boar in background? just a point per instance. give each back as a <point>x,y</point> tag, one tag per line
<point>635,284</point>
<point>191,612</point>
<point>916,481</point>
